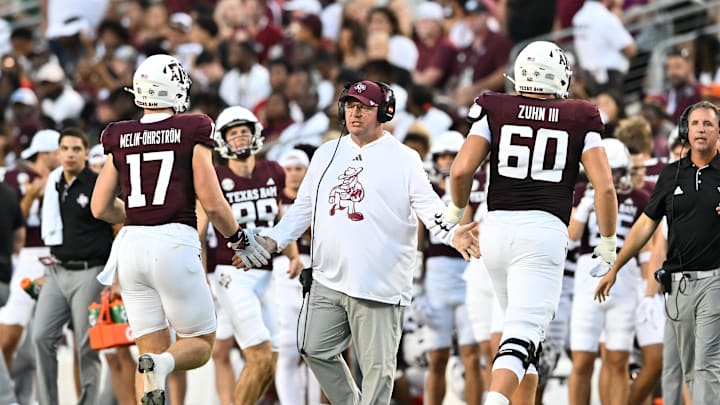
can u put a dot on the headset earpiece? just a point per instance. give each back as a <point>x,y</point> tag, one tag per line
<point>341,106</point>
<point>683,125</point>
<point>386,110</point>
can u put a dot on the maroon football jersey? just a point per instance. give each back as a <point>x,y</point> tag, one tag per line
<point>630,206</point>
<point>303,243</point>
<point>254,200</point>
<point>653,167</point>
<point>154,162</point>
<point>535,151</point>
<point>17,179</point>
<point>435,247</point>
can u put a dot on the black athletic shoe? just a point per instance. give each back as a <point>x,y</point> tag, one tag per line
<point>153,394</point>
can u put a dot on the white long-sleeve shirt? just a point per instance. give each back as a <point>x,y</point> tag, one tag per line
<point>365,228</point>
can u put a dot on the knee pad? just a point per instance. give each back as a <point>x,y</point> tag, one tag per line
<point>523,350</point>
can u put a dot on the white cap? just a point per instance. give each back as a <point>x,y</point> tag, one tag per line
<point>308,6</point>
<point>294,157</point>
<point>68,27</point>
<point>50,72</point>
<point>24,96</point>
<point>429,10</point>
<point>97,155</point>
<point>403,52</point>
<point>183,21</point>
<point>45,140</point>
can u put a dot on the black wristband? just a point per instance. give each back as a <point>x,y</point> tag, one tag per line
<point>235,238</point>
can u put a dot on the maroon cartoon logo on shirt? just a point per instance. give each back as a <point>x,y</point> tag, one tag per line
<point>346,194</point>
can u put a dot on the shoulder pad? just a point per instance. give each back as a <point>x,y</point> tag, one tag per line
<point>475,113</point>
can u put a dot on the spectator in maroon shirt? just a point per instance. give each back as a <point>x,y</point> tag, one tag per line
<point>481,65</point>
<point>436,52</point>
<point>683,91</point>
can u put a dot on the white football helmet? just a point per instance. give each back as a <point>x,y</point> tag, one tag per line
<point>448,142</point>
<point>542,67</point>
<point>232,117</point>
<point>161,82</point>
<point>619,159</point>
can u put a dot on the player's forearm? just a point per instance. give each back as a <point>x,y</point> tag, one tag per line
<point>113,213</point>
<point>222,217</point>
<point>460,186</point>
<point>606,209</point>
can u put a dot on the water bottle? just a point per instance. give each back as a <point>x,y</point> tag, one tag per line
<point>30,287</point>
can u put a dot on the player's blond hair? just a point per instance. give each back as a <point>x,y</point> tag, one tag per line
<point>636,134</point>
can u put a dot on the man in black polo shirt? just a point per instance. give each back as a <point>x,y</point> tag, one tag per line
<point>70,282</point>
<point>688,194</point>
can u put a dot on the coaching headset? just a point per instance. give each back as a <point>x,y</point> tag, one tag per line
<point>683,126</point>
<point>386,109</point>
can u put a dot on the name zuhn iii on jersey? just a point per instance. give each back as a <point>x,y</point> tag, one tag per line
<point>148,137</point>
<point>536,113</point>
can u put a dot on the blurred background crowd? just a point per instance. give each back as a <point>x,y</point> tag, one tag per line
<point>66,62</point>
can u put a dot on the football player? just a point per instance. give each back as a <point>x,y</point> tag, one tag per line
<point>590,319</point>
<point>445,288</point>
<point>160,164</point>
<point>535,141</point>
<point>252,188</point>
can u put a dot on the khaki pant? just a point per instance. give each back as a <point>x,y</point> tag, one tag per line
<point>697,332</point>
<point>329,323</point>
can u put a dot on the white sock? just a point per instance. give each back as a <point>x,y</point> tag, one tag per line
<point>496,398</point>
<point>164,365</point>
<point>167,360</point>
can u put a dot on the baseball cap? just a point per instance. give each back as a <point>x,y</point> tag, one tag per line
<point>429,10</point>
<point>294,157</point>
<point>50,72</point>
<point>181,21</point>
<point>366,91</point>
<point>45,140</point>
<point>24,96</point>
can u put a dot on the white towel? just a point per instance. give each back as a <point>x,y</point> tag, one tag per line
<point>51,226</point>
<point>107,276</point>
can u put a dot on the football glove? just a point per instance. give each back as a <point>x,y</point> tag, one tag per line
<point>606,249</point>
<point>453,214</point>
<point>247,248</point>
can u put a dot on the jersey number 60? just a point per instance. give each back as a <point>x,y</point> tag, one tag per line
<point>521,154</point>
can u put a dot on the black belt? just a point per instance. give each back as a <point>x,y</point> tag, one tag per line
<point>81,264</point>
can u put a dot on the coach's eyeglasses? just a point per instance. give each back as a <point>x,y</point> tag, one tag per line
<point>364,109</point>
